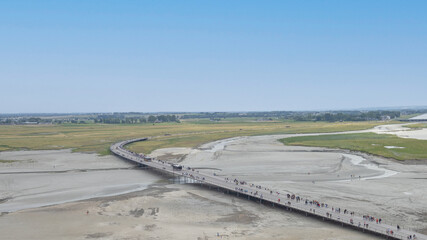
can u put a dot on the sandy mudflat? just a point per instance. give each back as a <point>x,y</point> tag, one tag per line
<point>41,178</point>
<point>166,211</point>
<point>155,208</point>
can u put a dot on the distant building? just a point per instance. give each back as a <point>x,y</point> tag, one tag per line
<point>30,123</point>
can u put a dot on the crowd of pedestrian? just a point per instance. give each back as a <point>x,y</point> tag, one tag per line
<point>316,204</point>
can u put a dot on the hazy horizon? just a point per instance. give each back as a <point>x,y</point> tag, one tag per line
<point>221,56</point>
<point>237,111</point>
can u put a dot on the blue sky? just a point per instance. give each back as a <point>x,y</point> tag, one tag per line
<point>149,56</point>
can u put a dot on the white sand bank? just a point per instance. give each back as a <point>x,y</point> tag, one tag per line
<point>401,131</point>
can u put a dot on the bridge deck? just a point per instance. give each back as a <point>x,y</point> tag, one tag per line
<point>264,194</point>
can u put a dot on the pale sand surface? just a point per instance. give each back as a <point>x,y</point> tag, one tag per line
<point>388,189</point>
<point>168,211</point>
<point>41,178</point>
<point>401,131</point>
<point>57,160</point>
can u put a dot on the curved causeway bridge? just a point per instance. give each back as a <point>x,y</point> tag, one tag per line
<point>265,195</point>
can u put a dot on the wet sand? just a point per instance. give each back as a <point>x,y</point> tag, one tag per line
<point>166,211</point>
<point>43,178</point>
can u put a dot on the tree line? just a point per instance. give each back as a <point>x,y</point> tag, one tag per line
<point>352,116</point>
<point>102,118</point>
<point>332,116</point>
<point>114,119</point>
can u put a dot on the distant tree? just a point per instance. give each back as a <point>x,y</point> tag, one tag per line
<point>152,119</point>
<point>37,120</point>
<point>162,118</point>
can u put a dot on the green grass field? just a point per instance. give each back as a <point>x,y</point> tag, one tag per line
<point>404,117</point>
<point>417,125</point>
<point>98,137</point>
<point>371,143</point>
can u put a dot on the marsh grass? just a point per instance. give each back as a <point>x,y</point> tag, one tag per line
<point>371,143</point>
<point>7,161</point>
<point>417,125</point>
<point>98,137</point>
